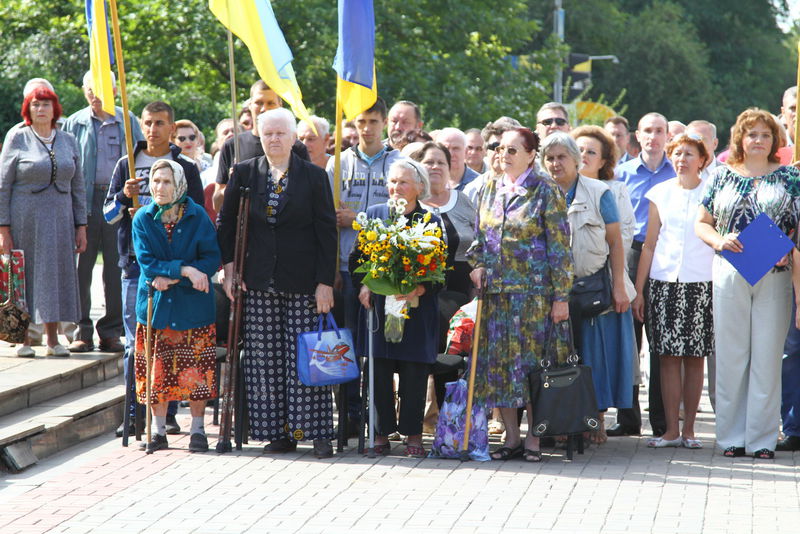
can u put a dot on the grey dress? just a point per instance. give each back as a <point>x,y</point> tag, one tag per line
<point>43,216</point>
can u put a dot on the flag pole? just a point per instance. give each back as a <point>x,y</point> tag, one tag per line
<point>232,73</point>
<point>797,122</point>
<point>123,96</point>
<point>337,160</point>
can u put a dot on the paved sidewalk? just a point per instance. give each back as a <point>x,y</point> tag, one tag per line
<point>621,486</point>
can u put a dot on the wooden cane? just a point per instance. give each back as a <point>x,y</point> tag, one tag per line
<point>471,383</point>
<point>148,356</point>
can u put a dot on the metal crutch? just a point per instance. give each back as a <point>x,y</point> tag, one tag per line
<point>370,361</point>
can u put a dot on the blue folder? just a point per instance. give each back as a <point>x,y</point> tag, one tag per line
<point>764,246</point>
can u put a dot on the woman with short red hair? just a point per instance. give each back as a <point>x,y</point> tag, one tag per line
<point>43,213</point>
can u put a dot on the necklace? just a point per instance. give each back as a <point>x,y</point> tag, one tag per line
<point>46,140</point>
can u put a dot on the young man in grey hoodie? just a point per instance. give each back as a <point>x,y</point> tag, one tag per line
<point>363,184</point>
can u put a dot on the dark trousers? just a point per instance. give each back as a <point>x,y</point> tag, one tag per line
<point>101,237</point>
<point>352,396</point>
<point>412,390</point>
<point>631,418</point>
<point>790,378</point>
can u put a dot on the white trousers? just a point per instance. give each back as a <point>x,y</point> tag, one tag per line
<point>750,326</point>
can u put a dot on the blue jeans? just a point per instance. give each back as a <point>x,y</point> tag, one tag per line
<point>790,381</point>
<point>130,284</point>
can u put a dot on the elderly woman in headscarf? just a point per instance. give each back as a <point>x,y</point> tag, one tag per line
<point>176,247</point>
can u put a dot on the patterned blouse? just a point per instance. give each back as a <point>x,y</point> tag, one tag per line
<point>735,200</point>
<point>523,239</point>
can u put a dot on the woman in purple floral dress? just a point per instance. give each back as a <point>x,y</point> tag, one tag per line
<point>521,255</point>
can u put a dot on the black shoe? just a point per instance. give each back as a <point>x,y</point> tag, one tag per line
<point>198,442</point>
<point>323,448</point>
<point>280,446</point>
<point>121,428</point>
<point>172,425</point>
<point>156,444</point>
<point>618,430</point>
<point>789,443</point>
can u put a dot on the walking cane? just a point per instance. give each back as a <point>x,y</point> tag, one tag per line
<point>130,395</point>
<point>370,361</point>
<point>148,356</point>
<point>476,331</point>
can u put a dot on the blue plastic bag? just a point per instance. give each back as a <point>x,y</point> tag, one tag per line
<point>449,436</point>
<point>326,356</point>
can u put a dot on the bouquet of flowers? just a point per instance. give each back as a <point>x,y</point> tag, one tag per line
<point>397,255</point>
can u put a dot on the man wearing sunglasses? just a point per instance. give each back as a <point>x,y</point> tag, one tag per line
<point>552,117</point>
<point>101,142</point>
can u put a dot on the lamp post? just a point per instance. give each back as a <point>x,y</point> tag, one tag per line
<point>558,29</point>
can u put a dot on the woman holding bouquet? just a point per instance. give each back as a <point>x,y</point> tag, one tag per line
<point>412,356</point>
<point>522,261</point>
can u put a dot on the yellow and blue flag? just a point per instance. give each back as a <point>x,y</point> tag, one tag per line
<point>355,57</point>
<point>253,21</point>
<point>100,54</point>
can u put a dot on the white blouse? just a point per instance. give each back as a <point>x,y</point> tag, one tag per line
<point>680,255</point>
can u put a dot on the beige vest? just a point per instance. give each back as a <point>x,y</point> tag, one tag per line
<point>588,231</point>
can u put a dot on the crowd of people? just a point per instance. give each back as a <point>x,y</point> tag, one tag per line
<point>527,212</point>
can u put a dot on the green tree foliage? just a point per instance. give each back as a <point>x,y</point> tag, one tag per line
<point>450,56</point>
<point>686,58</point>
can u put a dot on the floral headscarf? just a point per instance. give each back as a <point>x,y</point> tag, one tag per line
<point>178,180</point>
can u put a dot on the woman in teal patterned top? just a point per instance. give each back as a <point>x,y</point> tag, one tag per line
<point>750,322</point>
<point>521,254</point>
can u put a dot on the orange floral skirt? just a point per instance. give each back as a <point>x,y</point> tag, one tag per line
<point>184,364</point>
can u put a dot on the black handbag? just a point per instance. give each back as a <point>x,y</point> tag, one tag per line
<point>590,295</point>
<point>563,398</point>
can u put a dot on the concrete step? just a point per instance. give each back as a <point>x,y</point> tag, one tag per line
<point>26,382</point>
<point>60,422</point>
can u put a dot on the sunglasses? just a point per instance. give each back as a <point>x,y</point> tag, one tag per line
<point>509,149</point>
<point>492,146</point>
<point>182,138</point>
<point>558,120</point>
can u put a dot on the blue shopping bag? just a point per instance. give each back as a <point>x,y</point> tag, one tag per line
<point>449,436</point>
<point>326,356</point>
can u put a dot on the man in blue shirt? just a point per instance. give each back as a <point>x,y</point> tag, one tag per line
<point>101,139</point>
<point>639,174</point>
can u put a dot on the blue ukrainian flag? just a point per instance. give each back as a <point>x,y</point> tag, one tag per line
<point>357,88</point>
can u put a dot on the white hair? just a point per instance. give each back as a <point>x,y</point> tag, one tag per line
<point>323,126</point>
<point>88,80</point>
<point>33,83</point>
<point>444,132</point>
<point>419,173</point>
<point>563,140</point>
<point>281,114</point>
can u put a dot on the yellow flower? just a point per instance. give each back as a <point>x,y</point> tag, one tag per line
<point>372,235</point>
<point>426,217</point>
<point>356,226</point>
<point>406,261</point>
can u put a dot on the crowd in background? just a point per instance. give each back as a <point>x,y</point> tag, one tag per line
<point>526,209</point>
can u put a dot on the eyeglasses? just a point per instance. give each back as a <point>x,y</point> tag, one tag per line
<point>182,138</point>
<point>512,151</point>
<point>492,146</point>
<point>558,120</point>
